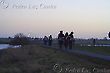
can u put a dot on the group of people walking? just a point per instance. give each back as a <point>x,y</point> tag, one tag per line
<point>47,40</point>
<point>64,40</point>
<point>67,40</point>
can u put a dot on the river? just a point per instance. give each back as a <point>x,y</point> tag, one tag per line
<point>4,46</point>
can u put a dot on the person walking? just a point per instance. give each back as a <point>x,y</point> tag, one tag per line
<point>60,39</point>
<point>94,42</point>
<point>109,34</point>
<point>66,40</point>
<point>45,39</point>
<point>50,40</point>
<point>71,40</point>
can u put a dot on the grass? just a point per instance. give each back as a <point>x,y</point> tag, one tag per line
<point>38,59</point>
<point>95,49</point>
<point>104,50</point>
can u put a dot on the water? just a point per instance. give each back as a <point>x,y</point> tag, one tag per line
<point>4,46</point>
<point>104,45</point>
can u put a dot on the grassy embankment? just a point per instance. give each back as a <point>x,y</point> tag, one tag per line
<point>38,59</point>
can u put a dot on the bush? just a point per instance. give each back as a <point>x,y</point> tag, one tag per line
<point>19,39</point>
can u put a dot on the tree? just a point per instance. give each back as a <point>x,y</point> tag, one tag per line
<point>19,39</point>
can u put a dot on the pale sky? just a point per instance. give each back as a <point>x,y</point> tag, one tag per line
<point>87,18</point>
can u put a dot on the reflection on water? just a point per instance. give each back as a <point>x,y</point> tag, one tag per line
<point>5,46</point>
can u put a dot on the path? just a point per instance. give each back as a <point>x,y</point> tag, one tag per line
<point>94,55</point>
<point>86,53</point>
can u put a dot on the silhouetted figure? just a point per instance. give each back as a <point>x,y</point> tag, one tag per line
<point>66,40</point>
<point>71,40</point>
<point>94,42</point>
<point>45,39</point>
<point>60,39</point>
<point>50,40</point>
<point>109,34</point>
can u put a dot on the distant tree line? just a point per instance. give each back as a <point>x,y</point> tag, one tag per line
<point>19,39</point>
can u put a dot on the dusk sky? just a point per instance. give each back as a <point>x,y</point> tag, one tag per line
<point>87,18</point>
